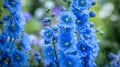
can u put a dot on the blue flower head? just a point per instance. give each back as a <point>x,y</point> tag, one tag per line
<point>3,38</point>
<point>19,58</point>
<point>87,34</point>
<point>115,62</point>
<point>83,48</point>
<point>5,60</point>
<point>14,26</point>
<point>69,61</point>
<point>48,34</point>
<point>88,62</point>
<point>25,42</point>
<point>49,53</point>
<point>14,6</point>
<point>63,30</point>
<point>9,47</point>
<point>66,18</point>
<point>82,20</point>
<point>81,4</point>
<point>79,7</point>
<point>65,41</point>
<point>92,14</point>
<point>12,29</point>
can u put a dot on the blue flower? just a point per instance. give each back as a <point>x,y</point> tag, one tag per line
<point>115,59</point>
<point>6,17</point>
<point>9,47</point>
<point>5,60</point>
<point>46,21</point>
<point>49,54</point>
<point>65,41</point>
<point>95,48</point>
<point>37,56</point>
<point>12,29</point>
<point>65,31</point>
<point>3,38</point>
<point>14,6</point>
<point>14,26</point>
<point>19,58</point>
<point>92,14</point>
<point>49,64</point>
<point>69,61</point>
<point>87,61</point>
<point>67,19</point>
<point>25,42</point>
<point>82,20</point>
<point>82,4</point>
<point>83,48</point>
<point>48,34</point>
<point>87,34</point>
<point>79,7</point>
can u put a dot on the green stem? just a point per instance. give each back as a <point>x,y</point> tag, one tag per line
<point>78,35</point>
<point>54,47</point>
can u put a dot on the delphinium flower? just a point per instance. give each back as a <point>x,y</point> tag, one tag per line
<point>14,43</point>
<point>27,15</point>
<point>46,21</point>
<point>37,56</point>
<point>65,31</point>
<point>74,44</point>
<point>87,46</point>
<point>14,6</point>
<point>115,62</point>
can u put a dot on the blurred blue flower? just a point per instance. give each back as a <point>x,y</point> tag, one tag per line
<point>19,58</point>
<point>33,39</point>
<point>3,38</point>
<point>9,47</point>
<point>92,14</point>
<point>115,62</point>
<point>87,34</point>
<point>46,21</point>
<point>48,34</point>
<point>49,53</point>
<point>65,41</point>
<point>82,20</point>
<point>66,18</point>
<point>83,48</point>
<point>13,27</point>
<point>14,6</point>
<point>5,60</point>
<point>69,61</point>
<point>27,15</point>
<point>25,42</point>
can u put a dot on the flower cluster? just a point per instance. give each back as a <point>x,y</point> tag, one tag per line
<point>14,43</point>
<point>73,42</point>
<point>115,62</point>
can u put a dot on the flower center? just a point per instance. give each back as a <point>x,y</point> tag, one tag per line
<point>66,19</point>
<point>86,35</point>
<point>69,63</point>
<point>48,34</point>
<point>82,3</point>
<point>12,3</point>
<point>7,60</point>
<point>49,53</point>
<point>66,43</point>
<point>78,21</point>
<point>13,26</point>
<point>82,47</point>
